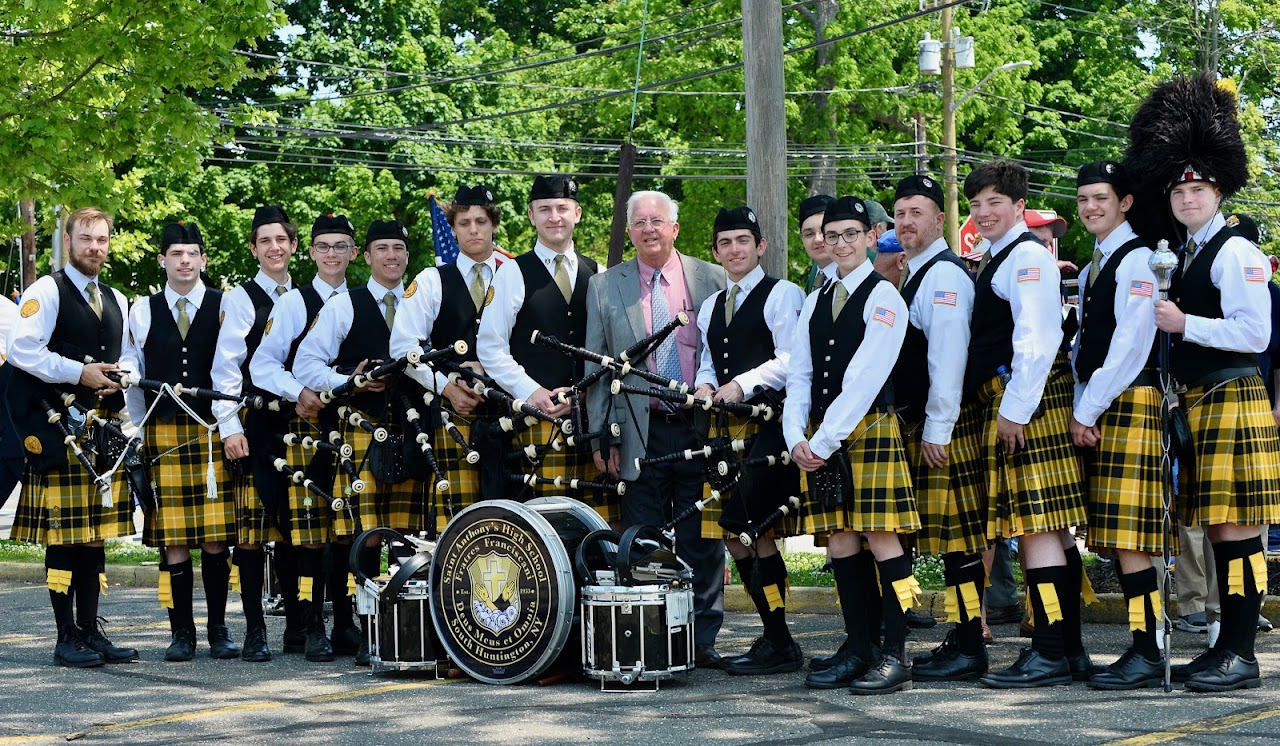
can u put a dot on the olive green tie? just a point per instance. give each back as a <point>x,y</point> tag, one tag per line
<point>906,275</point>
<point>1191,254</point>
<point>389,300</point>
<point>837,303</point>
<point>986,259</point>
<point>281,290</point>
<point>184,321</point>
<point>1095,267</point>
<point>477,285</point>
<point>562,278</point>
<point>731,304</point>
<point>95,301</point>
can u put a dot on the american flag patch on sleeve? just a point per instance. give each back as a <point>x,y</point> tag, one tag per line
<point>1254,274</point>
<point>944,298</point>
<point>1029,274</point>
<point>884,316</point>
<point>1141,287</point>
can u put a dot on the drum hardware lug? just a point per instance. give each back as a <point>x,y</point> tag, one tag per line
<point>631,676</point>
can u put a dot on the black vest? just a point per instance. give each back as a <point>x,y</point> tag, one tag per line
<point>747,342</point>
<point>458,317</point>
<point>79,334</point>
<point>991,338</point>
<point>544,310</point>
<point>911,372</point>
<point>368,339</point>
<point>313,302</point>
<point>832,345</point>
<point>170,358</point>
<point>1196,295</point>
<point>1098,317</point>
<point>262,305</point>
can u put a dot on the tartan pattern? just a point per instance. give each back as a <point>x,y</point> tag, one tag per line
<point>1124,496</point>
<point>951,520</point>
<point>400,506</point>
<point>464,478</point>
<point>312,521</point>
<point>185,515</point>
<point>1237,477</point>
<point>570,463</point>
<point>65,507</point>
<point>741,428</point>
<point>254,525</point>
<point>883,498</point>
<point>1038,489</point>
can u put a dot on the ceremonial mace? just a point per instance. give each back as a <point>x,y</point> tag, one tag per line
<point>1163,263</point>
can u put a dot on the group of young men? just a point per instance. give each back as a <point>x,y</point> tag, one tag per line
<point>934,412</point>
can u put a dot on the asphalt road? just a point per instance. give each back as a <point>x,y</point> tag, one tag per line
<point>290,700</point>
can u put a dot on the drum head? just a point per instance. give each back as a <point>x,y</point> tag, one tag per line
<point>502,588</point>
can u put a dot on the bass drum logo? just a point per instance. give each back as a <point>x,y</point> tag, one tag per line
<point>495,580</point>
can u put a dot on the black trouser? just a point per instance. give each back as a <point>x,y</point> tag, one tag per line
<point>661,492</point>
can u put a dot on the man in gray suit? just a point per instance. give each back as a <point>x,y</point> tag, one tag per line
<point>624,305</point>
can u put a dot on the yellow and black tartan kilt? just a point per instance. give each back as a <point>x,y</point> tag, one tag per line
<point>568,463</point>
<point>741,428</point>
<point>464,478</point>
<point>883,498</point>
<point>951,519</point>
<point>311,520</point>
<point>64,506</point>
<point>1237,474</point>
<point>400,506</point>
<point>255,524</point>
<point>1038,489</point>
<point>187,513</point>
<point>1125,493</point>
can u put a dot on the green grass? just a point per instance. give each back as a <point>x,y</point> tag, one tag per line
<point>804,570</point>
<point>118,553</point>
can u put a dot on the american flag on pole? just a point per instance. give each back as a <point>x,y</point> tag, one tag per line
<point>445,245</point>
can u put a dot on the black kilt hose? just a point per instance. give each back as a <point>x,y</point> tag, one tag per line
<point>1125,493</point>
<point>883,498</point>
<point>1036,490</point>
<point>64,506</point>
<point>952,519</point>
<point>740,510</point>
<point>567,463</point>
<point>187,513</point>
<point>1237,474</point>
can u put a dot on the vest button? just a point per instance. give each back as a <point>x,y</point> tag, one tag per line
<point>726,371</point>
<point>824,391</point>
<point>726,340</point>
<point>827,358</point>
<point>826,374</point>
<point>570,313</point>
<point>831,342</point>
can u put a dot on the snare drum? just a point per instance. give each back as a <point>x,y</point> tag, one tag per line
<point>502,585</point>
<point>637,634</point>
<point>402,635</point>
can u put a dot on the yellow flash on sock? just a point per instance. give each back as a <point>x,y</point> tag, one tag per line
<point>774,596</point>
<point>1138,614</point>
<point>304,588</point>
<point>234,578</point>
<point>952,598</point>
<point>1235,577</point>
<point>59,581</point>
<point>907,590</point>
<point>1049,598</point>
<point>102,583</point>
<point>164,590</point>
<point>1086,589</point>
<point>351,584</point>
<point>1259,564</point>
<point>972,604</point>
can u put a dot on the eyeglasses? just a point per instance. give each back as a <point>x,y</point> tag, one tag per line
<point>325,248</point>
<point>657,224</point>
<point>833,239</point>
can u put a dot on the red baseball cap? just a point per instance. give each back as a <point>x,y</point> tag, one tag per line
<point>1037,218</point>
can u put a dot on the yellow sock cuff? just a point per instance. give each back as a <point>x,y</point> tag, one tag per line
<point>773,594</point>
<point>907,590</point>
<point>972,604</point>
<point>351,584</point>
<point>305,585</point>
<point>102,583</point>
<point>1049,599</point>
<point>59,581</point>
<point>1086,589</point>
<point>164,590</point>
<point>1138,614</point>
<point>234,578</point>
<point>951,597</point>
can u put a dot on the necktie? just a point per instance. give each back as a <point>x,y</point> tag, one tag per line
<point>731,304</point>
<point>986,258</point>
<point>389,300</point>
<point>1191,254</point>
<point>666,359</point>
<point>184,321</point>
<point>333,293</point>
<point>1096,266</point>
<point>477,285</point>
<point>837,303</point>
<point>906,275</point>
<point>562,278</point>
<point>281,290</point>
<point>95,301</point>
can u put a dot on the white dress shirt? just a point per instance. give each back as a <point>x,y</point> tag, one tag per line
<point>416,316</point>
<point>1246,304</point>
<point>781,312</point>
<point>288,321</point>
<point>313,365</point>
<point>946,326</point>
<point>237,314</point>
<point>140,329</point>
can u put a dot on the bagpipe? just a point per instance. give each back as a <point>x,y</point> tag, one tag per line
<point>178,390</point>
<point>108,446</point>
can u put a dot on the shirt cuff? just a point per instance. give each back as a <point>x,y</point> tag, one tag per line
<point>1086,414</point>
<point>229,428</point>
<point>293,389</point>
<point>1196,330</point>
<point>1015,409</point>
<point>938,433</point>
<point>821,445</point>
<point>749,381</point>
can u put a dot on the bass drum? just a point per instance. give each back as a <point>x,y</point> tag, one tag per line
<point>503,594</point>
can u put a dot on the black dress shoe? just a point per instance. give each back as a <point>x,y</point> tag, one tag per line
<point>255,648</point>
<point>1181,672</point>
<point>1131,671</point>
<point>823,662</point>
<point>1082,666</point>
<point>705,656</point>
<point>946,650</point>
<point>953,666</point>
<point>96,639</point>
<point>918,620</point>
<point>886,677</point>
<point>346,641</point>
<point>220,644</point>
<point>74,652</point>
<point>1004,614</point>
<point>765,658</point>
<point>294,640</point>
<point>1228,673</point>
<point>844,672</point>
<point>183,647</point>
<point>318,649</point>
<point>1031,670</point>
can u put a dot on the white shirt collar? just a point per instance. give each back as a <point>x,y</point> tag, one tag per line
<point>1008,238</point>
<point>1116,239</point>
<point>466,263</point>
<point>195,297</point>
<point>852,280</point>
<point>1214,225</point>
<point>548,256</point>
<point>379,292</point>
<point>78,278</point>
<point>266,283</point>
<point>748,283</point>
<point>325,289</point>
<point>937,247</point>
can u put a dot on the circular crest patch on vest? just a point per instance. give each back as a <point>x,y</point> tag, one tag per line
<point>267,329</point>
<point>30,308</point>
<point>488,296</point>
<point>409,291</point>
<point>32,443</point>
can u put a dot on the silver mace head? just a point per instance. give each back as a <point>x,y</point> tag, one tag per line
<point>1163,263</point>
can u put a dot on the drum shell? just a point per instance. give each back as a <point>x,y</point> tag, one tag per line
<point>637,633</point>
<point>402,635</point>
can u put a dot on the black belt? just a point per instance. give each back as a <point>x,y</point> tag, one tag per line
<point>1225,374</point>
<point>662,415</point>
<point>1146,378</point>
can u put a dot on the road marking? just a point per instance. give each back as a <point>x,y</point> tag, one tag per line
<point>375,690</point>
<point>1198,727</point>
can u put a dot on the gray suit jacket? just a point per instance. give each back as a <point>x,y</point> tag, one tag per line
<point>615,321</point>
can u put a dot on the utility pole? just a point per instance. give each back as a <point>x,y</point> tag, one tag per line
<point>952,222</point>
<point>922,145</point>
<point>766,127</point>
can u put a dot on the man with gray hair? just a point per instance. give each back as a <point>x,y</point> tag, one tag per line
<point>652,288</point>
